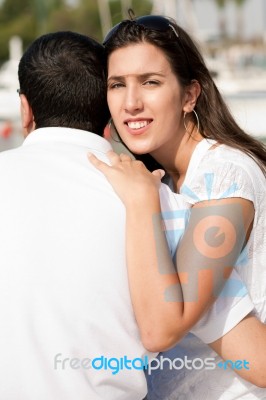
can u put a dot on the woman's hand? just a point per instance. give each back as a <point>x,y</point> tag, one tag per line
<point>130,179</point>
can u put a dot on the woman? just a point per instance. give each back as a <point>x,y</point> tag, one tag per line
<point>169,113</point>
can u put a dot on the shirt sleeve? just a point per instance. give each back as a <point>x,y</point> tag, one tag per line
<point>218,179</point>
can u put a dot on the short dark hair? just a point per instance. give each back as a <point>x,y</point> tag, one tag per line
<point>63,76</point>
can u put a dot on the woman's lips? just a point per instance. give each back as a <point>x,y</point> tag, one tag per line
<point>137,127</point>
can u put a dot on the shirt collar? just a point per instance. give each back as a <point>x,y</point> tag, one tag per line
<point>68,136</point>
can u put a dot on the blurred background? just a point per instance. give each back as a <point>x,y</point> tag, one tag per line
<point>230,33</point>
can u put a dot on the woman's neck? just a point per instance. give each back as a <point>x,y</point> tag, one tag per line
<point>176,160</point>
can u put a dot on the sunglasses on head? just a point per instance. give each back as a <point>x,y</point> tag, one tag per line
<point>152,22</point>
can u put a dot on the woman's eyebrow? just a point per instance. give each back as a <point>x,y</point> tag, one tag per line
<point>139,76</point>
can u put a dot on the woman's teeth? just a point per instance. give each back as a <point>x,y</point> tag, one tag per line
<point>137,124</point>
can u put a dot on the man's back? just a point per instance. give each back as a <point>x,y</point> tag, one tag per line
<point>64,296</point>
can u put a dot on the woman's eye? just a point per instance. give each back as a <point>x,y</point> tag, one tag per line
<point>115,85</point>
<point>151,83</point>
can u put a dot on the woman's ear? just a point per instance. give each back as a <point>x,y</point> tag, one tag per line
<point>27,117</point>
<point>192,93</point>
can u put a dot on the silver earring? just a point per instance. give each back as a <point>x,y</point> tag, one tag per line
<point>197,118</point>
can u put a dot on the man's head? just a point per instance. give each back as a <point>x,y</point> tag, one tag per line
<point>63,83</point>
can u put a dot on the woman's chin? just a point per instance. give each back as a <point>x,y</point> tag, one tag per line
<point>139,150</point>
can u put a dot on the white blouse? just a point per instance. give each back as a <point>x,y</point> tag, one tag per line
<point>215,173</point>
<point>223,172</point>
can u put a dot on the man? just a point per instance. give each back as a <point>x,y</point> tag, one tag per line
<point>65,307</point>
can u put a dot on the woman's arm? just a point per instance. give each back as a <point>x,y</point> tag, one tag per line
<point>168,304</point>
<point>138,189</point>
<point>246,342</point>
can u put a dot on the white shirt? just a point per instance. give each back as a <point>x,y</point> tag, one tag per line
<point>64,295</point>
<point>220,172</point>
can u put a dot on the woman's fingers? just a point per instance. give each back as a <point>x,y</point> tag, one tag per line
<point>113,157</point>
<point>158,173</point>
<point>117,158</point>
<point>125,157</point>
<point>100,165</point>
<point>129,178</point>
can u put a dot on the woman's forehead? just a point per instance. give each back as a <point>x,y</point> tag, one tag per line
<point>140,58</point>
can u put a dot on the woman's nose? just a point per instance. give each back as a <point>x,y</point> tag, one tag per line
<point>133,102</point>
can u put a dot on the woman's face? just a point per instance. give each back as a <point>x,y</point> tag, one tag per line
<point>145,99</point>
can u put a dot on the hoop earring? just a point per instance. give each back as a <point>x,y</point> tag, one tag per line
<point>185,125</point>
<point>112,128</point>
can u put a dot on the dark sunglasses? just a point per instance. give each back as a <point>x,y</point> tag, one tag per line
<point>152,22</point>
